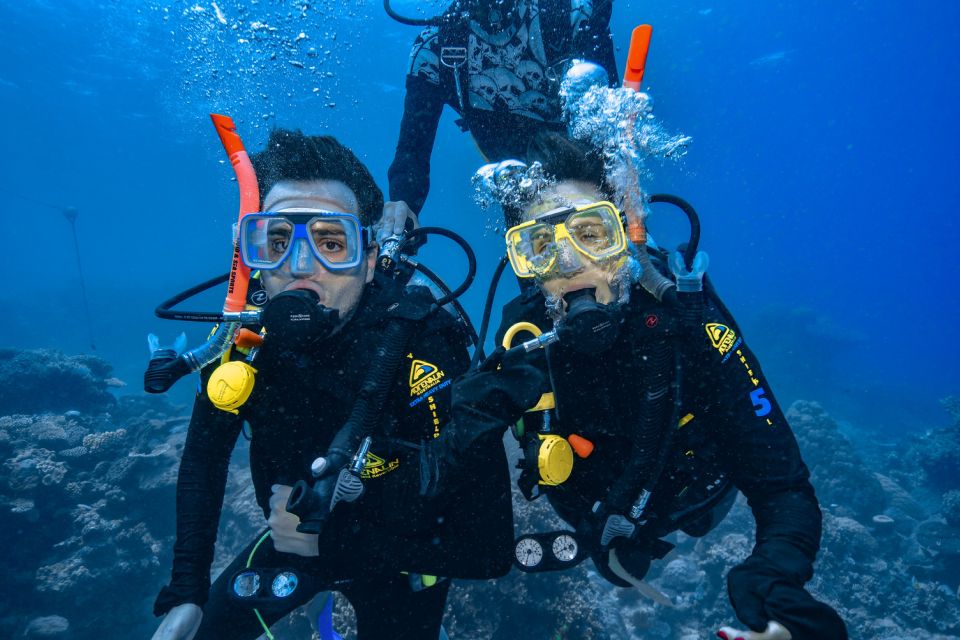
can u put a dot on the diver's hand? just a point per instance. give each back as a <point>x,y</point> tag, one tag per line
<point>488,399</point>
<point>283,526</point>
<point>499,392</point>
<point>774,631</point>
<point>394,220</point>
<point>180,623</point>
<point>762,593</point>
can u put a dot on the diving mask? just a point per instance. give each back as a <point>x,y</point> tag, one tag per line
<point>269,239</point>
<point>594,231</point>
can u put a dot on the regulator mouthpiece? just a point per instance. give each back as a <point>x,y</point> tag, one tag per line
<point>297,318</point>
<point>588,326</point>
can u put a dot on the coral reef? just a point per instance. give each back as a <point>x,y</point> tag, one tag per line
<point>43,380</point>
<point>89,497</point>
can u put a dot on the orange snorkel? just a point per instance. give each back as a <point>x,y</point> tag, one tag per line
<point>239,279</point>
<point>167,365</point>
<point>632,77</point>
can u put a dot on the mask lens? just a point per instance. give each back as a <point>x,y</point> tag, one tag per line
<point>265,240</point>
<point>335,241</point>
<point>596,231</point>
<point>533,249</point>
<point>246,584</point>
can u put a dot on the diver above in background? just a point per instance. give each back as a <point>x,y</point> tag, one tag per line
<point>665,406</point>
<point>497,63</point>
<point>326,317</point>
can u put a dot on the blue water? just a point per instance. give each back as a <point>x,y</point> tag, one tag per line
<point>823,165</point>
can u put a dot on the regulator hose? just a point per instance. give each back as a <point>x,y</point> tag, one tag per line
<point>164,309</point>
<point>467,250</point>
<point>410,22</point>
<point>487,310</point>
<point>694,242</point>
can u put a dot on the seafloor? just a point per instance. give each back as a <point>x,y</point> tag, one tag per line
<point>88,483</point>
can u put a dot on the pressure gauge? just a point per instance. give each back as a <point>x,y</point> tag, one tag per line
<point>565,548</point>
<point>528,551</point>
<point>284,584</point>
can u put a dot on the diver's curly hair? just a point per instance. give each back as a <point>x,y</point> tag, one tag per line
<point>291,155</point>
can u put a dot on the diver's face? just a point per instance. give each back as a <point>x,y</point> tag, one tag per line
<point>338,290</point>
<point>578,271</point>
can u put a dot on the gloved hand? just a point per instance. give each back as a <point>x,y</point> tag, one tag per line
<point>761,592</point>
<point>490,398</point>
<point>180,623</point>
<point>497,394</point>
<point>283,526</point>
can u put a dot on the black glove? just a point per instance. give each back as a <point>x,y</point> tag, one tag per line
<point>761,591</point>
<point>485,400</point>
<point>492,398</point>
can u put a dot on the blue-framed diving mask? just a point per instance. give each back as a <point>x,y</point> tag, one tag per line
<point>269,240</point>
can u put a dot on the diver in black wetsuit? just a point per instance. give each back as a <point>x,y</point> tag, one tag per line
<point>669,410</point>
<point>316,266</point>
<point>498,65</point>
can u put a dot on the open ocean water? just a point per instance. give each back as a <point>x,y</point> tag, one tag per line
<point>823,164</point>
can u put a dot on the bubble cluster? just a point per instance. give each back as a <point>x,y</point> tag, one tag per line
<point>258,57</point>
<point>512,184</point>
<point>620,121</point>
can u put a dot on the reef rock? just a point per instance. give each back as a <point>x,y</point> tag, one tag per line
<point>42,381</point>
<point>837,471</point>
<point>48,627</point>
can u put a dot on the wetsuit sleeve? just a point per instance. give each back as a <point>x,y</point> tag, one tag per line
<point>764,462</point>
<point>409,173</point>
<point>763,457</point>
<point>200,488</point>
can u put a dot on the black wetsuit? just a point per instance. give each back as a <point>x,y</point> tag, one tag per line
<point>507,92</point>
<point>301,399</point>
<point>732,435</point>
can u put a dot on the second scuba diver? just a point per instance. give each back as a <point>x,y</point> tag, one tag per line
<point>660,412</point>
<point>326,319</point>
<point>497,63</point>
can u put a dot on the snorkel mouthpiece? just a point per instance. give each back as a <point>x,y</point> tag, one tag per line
<point>295,318</point>
<point>588,326</point>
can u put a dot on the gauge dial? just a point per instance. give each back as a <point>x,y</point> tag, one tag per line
<point>565,548</point>
<point>284,584</point>
<point>529,552</point>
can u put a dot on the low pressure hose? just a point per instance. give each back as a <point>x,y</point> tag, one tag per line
<point>309,503</point>
<point>657,284</point>
<point>647,442</point>
<point>660,286</point>
<point>467,250</point>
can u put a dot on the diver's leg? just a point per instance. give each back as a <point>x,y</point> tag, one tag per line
<point>387,606</point>
<point>225,617</point>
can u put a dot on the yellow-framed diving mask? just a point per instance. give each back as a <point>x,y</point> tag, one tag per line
<point>536,247</point>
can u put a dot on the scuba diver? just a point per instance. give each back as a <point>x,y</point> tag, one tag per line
<point>340,395</point>
<point>656,412</point>
<point>498,64</point>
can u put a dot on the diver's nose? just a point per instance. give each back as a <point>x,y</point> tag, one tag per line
<point>569,260</point>
<point>301,259</point>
